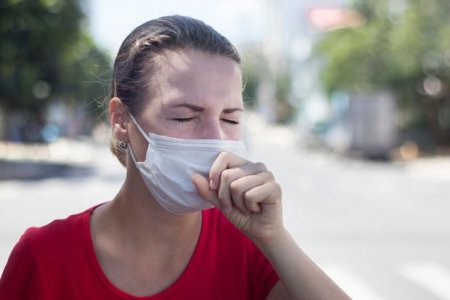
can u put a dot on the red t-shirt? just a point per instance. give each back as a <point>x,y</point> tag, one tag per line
<point>57,261</point>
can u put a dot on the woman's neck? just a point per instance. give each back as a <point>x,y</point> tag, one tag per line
<point>136,216</point>
<point>142,248</point>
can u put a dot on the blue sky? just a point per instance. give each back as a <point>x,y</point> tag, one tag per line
<point>110,21</point>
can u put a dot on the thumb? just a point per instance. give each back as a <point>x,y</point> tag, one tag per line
<point>202,185</point>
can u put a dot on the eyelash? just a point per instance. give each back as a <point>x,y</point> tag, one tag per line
<point>232,122</point>
<point>184,120</point>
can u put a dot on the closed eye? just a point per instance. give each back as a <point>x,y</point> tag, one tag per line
<point>231,121</point>
<point>183,120</point>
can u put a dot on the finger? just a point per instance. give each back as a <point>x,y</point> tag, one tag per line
<point>265,195</point>
<point>224,160</point>
<point>203,190</point>
<point>240,187</point>
<point>230,175</point>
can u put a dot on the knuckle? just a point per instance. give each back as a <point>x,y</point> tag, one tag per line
<point>277,188</point>
<point>234,186</point>
<point>270,176</point>
<point>226,175</point>
<point>248,198</point>
<point>221,154</point>
<point>261,166</point>
<point>224,155</point>
<point>277,185</point>
<point>250,202</point>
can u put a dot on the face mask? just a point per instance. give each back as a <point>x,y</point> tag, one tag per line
<point>170,163</point>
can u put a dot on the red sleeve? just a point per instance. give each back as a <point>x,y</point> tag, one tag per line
<point>21,276</point>
<point>263,276</point>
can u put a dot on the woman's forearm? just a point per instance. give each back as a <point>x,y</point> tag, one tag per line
<point>299,275</point>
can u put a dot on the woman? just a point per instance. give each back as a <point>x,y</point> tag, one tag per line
<point>175,111</point>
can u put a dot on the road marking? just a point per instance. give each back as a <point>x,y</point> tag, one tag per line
<point>429,275</point>
<point>356,288</point>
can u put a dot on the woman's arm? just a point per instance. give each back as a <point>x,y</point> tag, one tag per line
<point>249,197</point>
<point>300,277</point>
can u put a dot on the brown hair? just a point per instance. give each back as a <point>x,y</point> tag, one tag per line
<point>137,52</point>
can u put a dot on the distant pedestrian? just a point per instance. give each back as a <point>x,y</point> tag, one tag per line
<point>194,218</point>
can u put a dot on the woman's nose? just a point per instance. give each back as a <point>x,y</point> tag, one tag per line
<point>212,130</point>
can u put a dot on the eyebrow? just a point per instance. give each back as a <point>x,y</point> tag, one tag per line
<point>232,110</point>
<point>197,108</point>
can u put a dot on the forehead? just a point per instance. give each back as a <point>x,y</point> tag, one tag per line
<point>185,61</point>
<point>195,76</point>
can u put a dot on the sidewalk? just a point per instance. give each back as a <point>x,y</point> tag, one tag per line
<point>433,168</point>
<point>62,158</point>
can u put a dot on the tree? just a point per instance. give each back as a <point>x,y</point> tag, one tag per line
<point>403,47</point>
<point>257,73</point>
<point>46,54</point>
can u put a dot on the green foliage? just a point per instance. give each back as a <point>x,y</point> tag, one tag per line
<point>401,44</point>
<point>256,71</point>
<point>284,109</point>
<point>252,70</point>
<point>46,54</point>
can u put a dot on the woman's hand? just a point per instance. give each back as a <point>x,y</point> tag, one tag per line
<point>247,195</point>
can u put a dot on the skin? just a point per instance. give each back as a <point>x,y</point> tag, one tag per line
<point>142,248</point>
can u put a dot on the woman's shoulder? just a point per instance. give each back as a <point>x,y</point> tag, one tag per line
<point>58,235</point>
<point>44,255</point>
<point>58,227</point>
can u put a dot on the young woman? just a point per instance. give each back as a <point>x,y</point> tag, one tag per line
<point>194,218</point>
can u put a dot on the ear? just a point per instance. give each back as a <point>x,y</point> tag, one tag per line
<point>119,119</point>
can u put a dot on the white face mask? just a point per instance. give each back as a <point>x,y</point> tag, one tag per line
<point>170,163</point>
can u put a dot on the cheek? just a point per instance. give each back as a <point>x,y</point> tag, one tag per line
<point>233,132</point>
<point>181,130</point>
<point>180,133</point>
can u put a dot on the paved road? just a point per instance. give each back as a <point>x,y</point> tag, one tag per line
<point>382,231</point>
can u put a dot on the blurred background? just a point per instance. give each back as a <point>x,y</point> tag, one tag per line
<point>348,104</point>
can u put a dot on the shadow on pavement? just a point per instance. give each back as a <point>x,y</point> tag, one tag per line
<point>33,170</point>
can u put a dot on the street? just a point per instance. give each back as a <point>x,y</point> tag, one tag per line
<point>380,230</point>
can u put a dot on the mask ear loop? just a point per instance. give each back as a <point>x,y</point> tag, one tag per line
<point>139,128</point>
<point>133,157</point>
<point>130,148</point>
